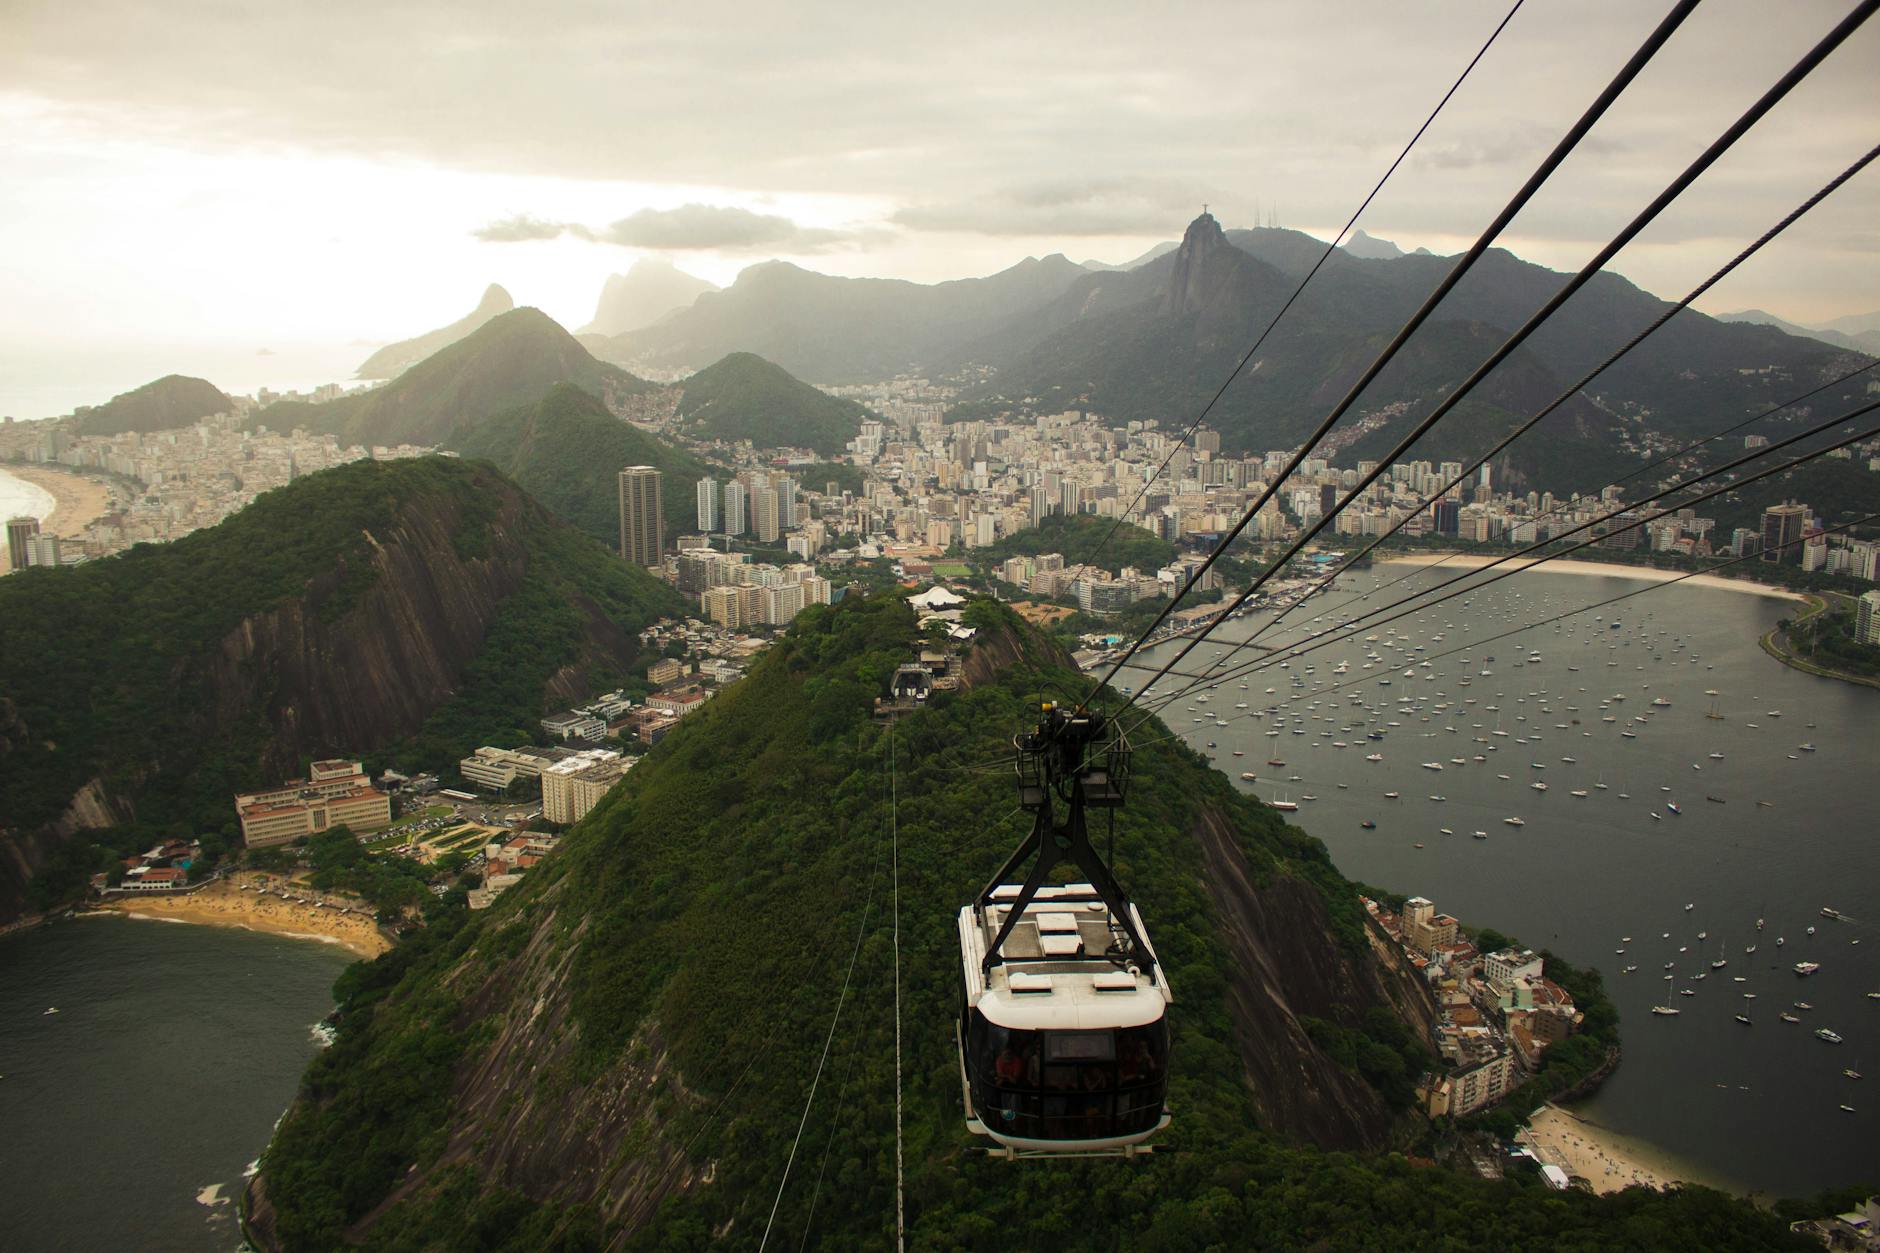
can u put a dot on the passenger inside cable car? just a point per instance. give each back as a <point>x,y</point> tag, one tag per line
<point>1102,1085</point>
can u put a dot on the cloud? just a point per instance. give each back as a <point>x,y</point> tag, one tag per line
<point>1089,207</point>
<point>717,228</point>
<point>688,228</point>
<point>522,228</point>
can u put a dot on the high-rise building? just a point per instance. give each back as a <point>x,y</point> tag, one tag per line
<point>1207,441</point>
<point>1782,530</point>
<point>766,517</point>
<point>20,532</point>
<point>642,524</point>
<point>1867,618</point>
<point>735,523</point>
<point>708,507</point>
<point>1448,512</point>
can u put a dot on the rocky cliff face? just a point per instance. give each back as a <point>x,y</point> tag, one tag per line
<point>373,675</point>
<point>421,562</point>
<point>1285,970</point>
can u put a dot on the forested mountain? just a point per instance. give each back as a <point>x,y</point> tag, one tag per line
<point>427,603</point>
<point>1084,538</point>
<point>747,397</point>
<point>1155,343</point>
<point>394,359</point>
<point>642,296</point>
<point>840,330</point>
<point>567,450</point>
<point>510,361</point>
<point>617,1055</point>
<point>171,401</point>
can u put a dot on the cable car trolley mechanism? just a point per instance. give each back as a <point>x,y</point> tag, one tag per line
<point>1063,1032</point>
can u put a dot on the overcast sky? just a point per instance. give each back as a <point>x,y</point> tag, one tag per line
<point>197,173</point>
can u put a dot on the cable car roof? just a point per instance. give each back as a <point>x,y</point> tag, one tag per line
<point>1054,974</point>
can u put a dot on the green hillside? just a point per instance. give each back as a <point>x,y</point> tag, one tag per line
<point>1080,537</point>
<point>744,396</point>
<point>510,361</point>
<point>171,401</point>
<point>567,450</point>
<point>426,605</point>
<point>618,1055</point>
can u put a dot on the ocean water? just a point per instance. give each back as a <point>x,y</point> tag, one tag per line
<point>18,497</point>
<point>128,1119</point>
<point>1755,1107</point>
<point>53,383</point>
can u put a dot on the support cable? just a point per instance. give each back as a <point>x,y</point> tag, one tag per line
<point>1312,643</point>
<point>1630,71</point>
<point>1718,147</point>
<point>1462,475</point>
<point>1549,621</point>
<point>835,1019</point>
<point>894,845</point>
<point>1297,290</point>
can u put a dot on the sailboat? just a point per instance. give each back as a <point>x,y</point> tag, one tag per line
<point>1713,713</point>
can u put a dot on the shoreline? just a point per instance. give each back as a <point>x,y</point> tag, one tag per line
<point>235,903</point>
<point>1607,569</point>
<point>77,501</point>
<point>1608,1160</point>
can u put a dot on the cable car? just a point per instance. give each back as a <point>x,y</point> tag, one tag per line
<point>1063,1030</point>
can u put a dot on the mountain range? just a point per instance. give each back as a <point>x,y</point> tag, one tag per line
<point>1155,343</point>
<point>394,359</point>
<point>1860,333</point>
<point>826,329</point>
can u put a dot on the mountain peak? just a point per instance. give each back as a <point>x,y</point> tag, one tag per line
<point>394,359</point>
<point>1203,231</point>
<point>1371,248</point>
<point>1203,245</point>
<point>643,295</point>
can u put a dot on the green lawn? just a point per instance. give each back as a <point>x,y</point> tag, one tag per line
<point>952,569</point>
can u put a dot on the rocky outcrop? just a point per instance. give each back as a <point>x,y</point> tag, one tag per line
<point>371,674</point>
<point>1276,933</point>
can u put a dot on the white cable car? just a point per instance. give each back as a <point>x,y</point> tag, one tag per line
<point>1063,1034</point>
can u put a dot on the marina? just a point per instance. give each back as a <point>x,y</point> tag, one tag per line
<point>1620,707</point>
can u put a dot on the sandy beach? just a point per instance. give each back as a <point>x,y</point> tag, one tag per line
<point>1605,1159</point>
<point>1604,569</point>
<point>77,501</point>
<point>236,902</point>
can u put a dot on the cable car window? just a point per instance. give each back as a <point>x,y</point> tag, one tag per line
<point>1080,1046</point>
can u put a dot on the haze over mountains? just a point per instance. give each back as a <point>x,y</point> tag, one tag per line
<point>1153,338</point>
<point>642,296</point>
<point>394,359</point>
<point>1861,332</point>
